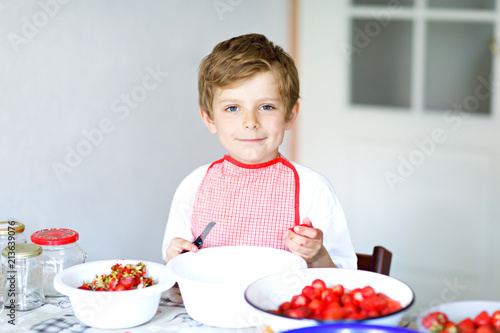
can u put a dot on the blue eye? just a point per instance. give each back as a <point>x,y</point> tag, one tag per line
<point>232,108</point>
<point>267,107</point>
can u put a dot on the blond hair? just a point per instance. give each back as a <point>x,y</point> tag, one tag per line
<point>241,58</point>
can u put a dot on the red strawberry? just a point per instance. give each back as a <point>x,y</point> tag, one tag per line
<point>319,284</point>
<point>356,316</point>
<point>383,296</point>
<point>338,289</point>
<point>495,319</point>
<point>370,313</point>
<point>484,329</point>
<point>369,304</point>
<point>284,306</point>
<point>120,287</point>
<point>328,296</point>
<point>482,319</point>
<point>393,306</point>
<point>357,296</point>
<point>317,306</point>
<point>112,284</point>
<point>299,300</point>
<point>334,312</point>
<point>435,321</point>
<point>138,280</point>
<point>300,312</point>
<point>466,321</point>
<point>379,302</point>
<point>346,299</point>
<point>466,326</point>
<point>367,291</point>
<point>350,309</point>
<point>127,282</point>
<point>450,327</point>
<point>309,292</point>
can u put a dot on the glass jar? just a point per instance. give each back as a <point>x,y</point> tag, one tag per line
<point>22,267</point>
<point>11,231</point>
<point>60,251</point>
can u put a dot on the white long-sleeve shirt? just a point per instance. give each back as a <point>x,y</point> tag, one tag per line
<point>317,201</point>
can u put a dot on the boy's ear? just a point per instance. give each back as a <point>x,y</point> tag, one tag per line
<point>293,116</point>
<point>208,121</point>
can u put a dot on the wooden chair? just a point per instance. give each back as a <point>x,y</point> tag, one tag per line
<point>379,261</point>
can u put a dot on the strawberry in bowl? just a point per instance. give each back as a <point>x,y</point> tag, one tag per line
<point>113,309</point>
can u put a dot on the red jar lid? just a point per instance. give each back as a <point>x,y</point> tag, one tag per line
<point>54,236</point>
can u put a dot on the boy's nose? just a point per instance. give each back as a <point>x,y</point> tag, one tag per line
<point>251,120</point>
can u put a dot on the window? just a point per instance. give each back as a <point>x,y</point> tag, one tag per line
<point>422,55</point>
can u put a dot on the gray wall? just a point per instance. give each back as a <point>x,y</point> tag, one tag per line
<point>99,118</point>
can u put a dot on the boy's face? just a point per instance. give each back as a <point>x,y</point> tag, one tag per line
<point>249,119</point>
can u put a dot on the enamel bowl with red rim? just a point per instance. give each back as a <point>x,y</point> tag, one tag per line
<point>268,293</point>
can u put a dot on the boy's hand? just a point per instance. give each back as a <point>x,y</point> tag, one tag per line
<point>177,245</point>
<point>307,242</point>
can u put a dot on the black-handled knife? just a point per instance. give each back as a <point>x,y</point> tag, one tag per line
<point>199,241</point>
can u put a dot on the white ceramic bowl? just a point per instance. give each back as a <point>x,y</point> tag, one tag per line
<point>271,291</point>
<point>112,309</point>
<point>456,311</point>
<point>212,281</point>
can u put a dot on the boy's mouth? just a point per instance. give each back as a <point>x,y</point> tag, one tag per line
<point>251,140</point>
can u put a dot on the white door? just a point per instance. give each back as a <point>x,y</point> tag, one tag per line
<point>400,111</point>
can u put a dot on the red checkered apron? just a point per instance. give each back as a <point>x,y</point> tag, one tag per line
<point>251,204</point>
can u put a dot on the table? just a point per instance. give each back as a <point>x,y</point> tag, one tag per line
<point>56,315</point>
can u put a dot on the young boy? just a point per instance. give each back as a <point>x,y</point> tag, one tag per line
<point>248,96</point>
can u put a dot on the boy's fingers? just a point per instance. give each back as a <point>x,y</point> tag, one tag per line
<point>187,247</point>
<point>192,248</point>
<point>306,231</point>
<point>301,250</point>
<point>305,228</point>
<point>179,245</point>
